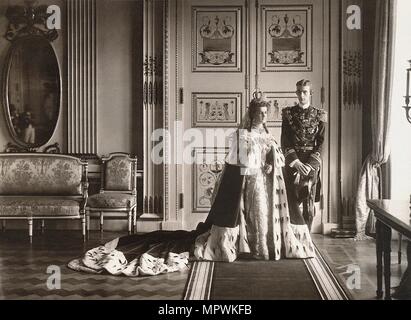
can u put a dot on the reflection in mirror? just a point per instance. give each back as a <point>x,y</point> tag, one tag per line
<point>33,91</point>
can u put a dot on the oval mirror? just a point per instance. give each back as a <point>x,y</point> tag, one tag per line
<point>32,91</point>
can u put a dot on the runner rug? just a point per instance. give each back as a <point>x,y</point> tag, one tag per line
<point>287,279</point>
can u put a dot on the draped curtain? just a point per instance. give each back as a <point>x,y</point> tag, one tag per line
<point>381,89</point>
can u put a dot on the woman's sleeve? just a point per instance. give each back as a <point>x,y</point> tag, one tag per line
<point>269,159</point>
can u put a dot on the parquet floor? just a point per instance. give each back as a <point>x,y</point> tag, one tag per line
<point>24,271</point>
<point>346,257</point>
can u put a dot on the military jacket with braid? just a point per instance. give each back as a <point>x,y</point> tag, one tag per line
<point>302,134</point>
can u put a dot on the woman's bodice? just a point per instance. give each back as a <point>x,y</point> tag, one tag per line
<point>252,150</point>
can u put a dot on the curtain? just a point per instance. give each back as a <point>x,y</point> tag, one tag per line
<point>381,89</point>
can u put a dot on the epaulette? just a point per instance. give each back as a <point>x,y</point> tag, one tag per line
<point>286,113</point>
<point>322,114</point>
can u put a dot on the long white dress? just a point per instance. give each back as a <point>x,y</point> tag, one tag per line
<point>265,230</point>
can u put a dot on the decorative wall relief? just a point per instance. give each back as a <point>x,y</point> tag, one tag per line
<point>279,100</point>
<point>208,166</point>
<point>287,42</point>
<point>155,52</point>
<point>216,40</point>
<point>352,68</point>
<point>216,109</point>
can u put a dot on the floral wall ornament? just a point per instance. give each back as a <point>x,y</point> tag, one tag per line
<point>352,70</point>
<point>286,40</point>
<point>207,168</point>
<point>287,44</point>
<point>216,39</point>
<point>216,42</point>
<point>352,63</point>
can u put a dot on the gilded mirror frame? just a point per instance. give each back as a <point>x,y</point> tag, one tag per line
<point>28,26</point>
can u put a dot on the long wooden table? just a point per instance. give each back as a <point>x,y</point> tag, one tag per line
<point>390,214</point>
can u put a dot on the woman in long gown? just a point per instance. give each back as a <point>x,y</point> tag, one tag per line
<point>249,215</point>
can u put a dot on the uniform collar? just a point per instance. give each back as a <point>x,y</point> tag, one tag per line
<point>305,106</point>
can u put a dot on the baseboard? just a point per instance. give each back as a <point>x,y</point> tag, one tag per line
<point>149,216</point>
<point>148,226</point>
<point>171,225</point>
<point>326,227</point>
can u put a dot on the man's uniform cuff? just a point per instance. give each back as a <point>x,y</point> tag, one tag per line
<point>290,156</point>
<point>293,163</point>
<point>314,160</point>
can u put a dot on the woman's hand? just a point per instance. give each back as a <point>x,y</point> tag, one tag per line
<point>268,168</point>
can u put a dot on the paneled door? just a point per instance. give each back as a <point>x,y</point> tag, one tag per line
<point>215,94</point>
<point>289,43</point>
<point>230,48</point>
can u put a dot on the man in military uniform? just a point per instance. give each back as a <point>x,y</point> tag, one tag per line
<point>302,136</point>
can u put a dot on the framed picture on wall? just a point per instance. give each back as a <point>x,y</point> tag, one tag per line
<point>288,41</point>
<point>216,39</point>
<point>216,109</point>
<point>279,100</point>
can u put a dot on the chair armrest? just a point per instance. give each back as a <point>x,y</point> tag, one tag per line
<point>83,203</point>
<point>85,185</point>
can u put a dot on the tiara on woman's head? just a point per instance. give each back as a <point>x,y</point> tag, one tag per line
<point>258,94</point>
<point>259,100</point>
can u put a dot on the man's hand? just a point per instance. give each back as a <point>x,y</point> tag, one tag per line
<point>302,168</point>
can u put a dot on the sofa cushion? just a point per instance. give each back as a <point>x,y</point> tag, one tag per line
<point>111,200</point>
<point>42,174</point>
<point>36,206</point>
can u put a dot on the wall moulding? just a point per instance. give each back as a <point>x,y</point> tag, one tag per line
<point>82,75</point>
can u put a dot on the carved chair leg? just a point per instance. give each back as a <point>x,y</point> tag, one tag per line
<point>399,247</point>
<point>101,221</point>
<point>30,221</point>
<point>135,220</point>
<point>129,221</point>
<point>88,223</point>
<point>83,226</point>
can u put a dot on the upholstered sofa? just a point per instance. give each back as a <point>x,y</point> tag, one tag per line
<point>42,186</point>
